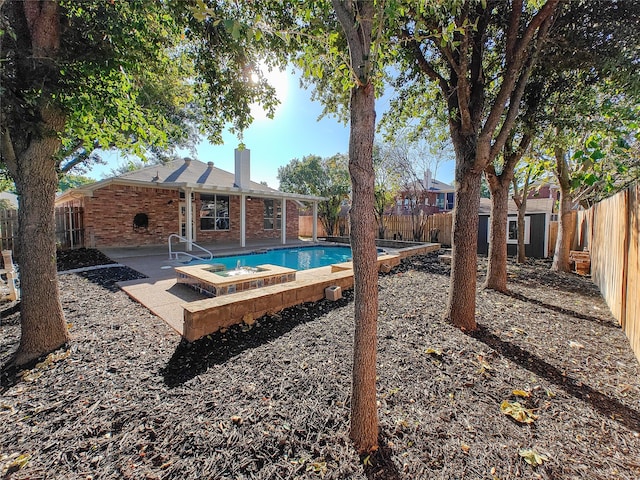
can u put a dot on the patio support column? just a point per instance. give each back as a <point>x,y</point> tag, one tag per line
<point>315,222</point>
<point>243,220</point>
<point>283,222</point>
<point>189,219</point>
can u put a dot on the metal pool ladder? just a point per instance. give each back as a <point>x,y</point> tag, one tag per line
<point>173,255</point>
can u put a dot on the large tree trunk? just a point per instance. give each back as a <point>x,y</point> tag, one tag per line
<point>43,324</point>
<point>29,152</point>
<point>497,268</point>
<point>364,414</point>
<point>461,306</point>
<point>356,19</point>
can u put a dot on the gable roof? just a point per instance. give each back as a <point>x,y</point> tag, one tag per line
<point>436,186</point>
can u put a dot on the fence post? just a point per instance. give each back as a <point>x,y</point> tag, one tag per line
<point>10,271</point>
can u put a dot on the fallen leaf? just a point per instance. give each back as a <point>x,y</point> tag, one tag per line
<point>237,419</point>
<point>532,457</point>
<point>465,448</point>
<point>521,393</point>
<point>573,344</point>
<point>518,412</point>
<point>433,351</point>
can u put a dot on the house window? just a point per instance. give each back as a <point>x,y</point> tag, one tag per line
<point>512,230</point>
<point>272,214</point>
<point>214,212</point>
<point>450,197</point>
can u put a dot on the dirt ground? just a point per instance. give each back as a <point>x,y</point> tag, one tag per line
<point>129,400</point>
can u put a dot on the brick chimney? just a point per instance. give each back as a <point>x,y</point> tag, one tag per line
<point>242,157</point>
<point>427,180</point>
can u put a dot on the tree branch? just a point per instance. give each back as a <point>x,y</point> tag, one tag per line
<point>8,153</point>
<point>515,73</point>
<point>414,48</point>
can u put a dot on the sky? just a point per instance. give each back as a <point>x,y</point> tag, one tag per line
<point>294,132</point>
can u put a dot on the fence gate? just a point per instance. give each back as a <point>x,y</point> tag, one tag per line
<point>69,227</point>
<point>8,229</point>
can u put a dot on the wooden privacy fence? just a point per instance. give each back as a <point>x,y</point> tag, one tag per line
<point>8,229</point>
<point>69,229</point>
<point>436,228</point>
<point>610,231</point>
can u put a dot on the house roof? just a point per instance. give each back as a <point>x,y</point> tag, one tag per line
<point>10,197</point>
<point>189,172</point>
<point>186,174</point>
<point>436,186</point>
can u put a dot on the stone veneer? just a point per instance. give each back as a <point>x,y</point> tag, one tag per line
<point>208,316</point>
<point>205,279</point>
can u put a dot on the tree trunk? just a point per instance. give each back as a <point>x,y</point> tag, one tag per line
<point>563,242</point>
<point>30,157</point>
<point>44,328</point>
<point>461,306</point>
<point>522,208</point>
<point>497,268</point>
<point>364,414</point>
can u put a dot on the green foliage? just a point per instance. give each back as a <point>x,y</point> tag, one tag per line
<point>590,86</point>
<point>387,184</point>
<point>314,175</point>
<point>141,77</point>
<point>69,181</point>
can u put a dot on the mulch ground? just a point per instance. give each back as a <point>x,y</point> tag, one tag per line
<point>129,400</point>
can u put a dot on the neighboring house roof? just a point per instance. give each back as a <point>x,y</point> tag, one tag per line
<point>10,197</point>
<point>187,173</point>
<point>534,205</point>
<point>435,186</point>
<point>438,186</point>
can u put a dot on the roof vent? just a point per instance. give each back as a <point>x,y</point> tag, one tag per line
<point>156,178</point>
<point>209,165</point>
<point>187,161</point>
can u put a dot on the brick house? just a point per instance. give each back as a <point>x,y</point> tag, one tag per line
<point>427,195</point>
<point>146,206</point>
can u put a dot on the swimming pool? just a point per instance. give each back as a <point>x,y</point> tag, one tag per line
<point>298,258</point>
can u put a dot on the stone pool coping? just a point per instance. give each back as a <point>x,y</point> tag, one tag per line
<point>206,278</point>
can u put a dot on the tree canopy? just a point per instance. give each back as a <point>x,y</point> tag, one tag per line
<point>136,76</point>
<point>313,175</point>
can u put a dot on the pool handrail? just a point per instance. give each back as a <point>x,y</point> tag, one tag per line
<point>174,255</point>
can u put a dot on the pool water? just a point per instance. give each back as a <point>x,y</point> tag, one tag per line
<point>300,258</point>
